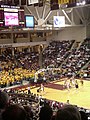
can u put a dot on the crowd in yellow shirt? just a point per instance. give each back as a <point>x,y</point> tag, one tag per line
<point>18,74</point>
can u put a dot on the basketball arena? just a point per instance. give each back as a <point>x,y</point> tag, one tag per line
<point>45,52</point>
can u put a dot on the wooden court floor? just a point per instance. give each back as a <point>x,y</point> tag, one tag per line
<point>79,97</point>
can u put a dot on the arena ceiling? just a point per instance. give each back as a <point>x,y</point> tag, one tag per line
<point>74,16</point>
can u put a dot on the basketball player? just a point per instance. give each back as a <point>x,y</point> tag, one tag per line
<point>42,87</point>
<point>29,92</point>
<point>72,81</point>
<point>81,81</point>
<point>44,79</point>
<point>65,82</point>
<point>68,85</point>
<point>76,85</point>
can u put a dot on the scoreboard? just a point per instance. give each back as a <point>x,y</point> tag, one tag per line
<point>20,10</point>
<point>21,17</point>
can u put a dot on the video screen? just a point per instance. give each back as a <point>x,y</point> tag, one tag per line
<point>11,19</point>
<point>29,21</point>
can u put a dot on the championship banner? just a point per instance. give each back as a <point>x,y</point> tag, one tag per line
<point>32,2</point>
<point>63,1</point>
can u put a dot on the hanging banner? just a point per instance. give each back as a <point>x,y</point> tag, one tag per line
<point>63,1</point>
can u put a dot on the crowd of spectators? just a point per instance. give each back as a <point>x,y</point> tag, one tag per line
<point>77,59</point>
<point>56,53</point>
<point>15,69</point>
<point>23,64</point>
<point>71,60</point>
<point>85,73</point>
<point>22,106</point>
<point>24,59</point>
<point>17,105</point>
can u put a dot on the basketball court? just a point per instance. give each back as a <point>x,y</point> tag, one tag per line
<point>56,91</point>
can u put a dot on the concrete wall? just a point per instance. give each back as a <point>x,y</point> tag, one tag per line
<point>68,33</point>
<point>76,33</point>
<point>88,31</point>
<point>6,41</point>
